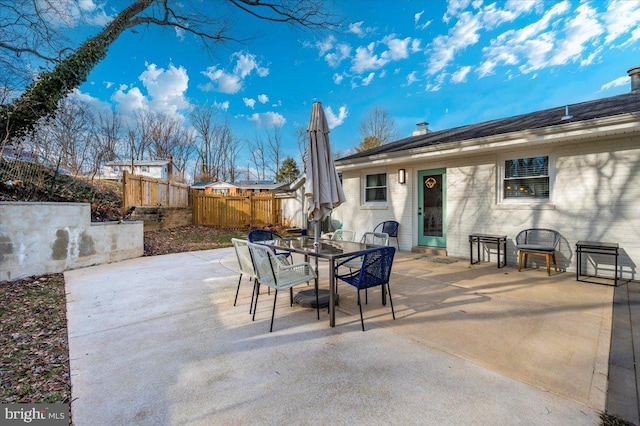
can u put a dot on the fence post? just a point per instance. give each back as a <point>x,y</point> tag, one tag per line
<point>125,195</point>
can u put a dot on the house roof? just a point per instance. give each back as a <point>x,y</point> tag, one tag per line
<point>580,112</point>
<point>157,163</point>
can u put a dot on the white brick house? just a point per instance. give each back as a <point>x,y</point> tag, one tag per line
<point>575,169</point>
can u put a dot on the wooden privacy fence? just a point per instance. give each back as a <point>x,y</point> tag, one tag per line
<point>236,211</point>
<point>146,191</point>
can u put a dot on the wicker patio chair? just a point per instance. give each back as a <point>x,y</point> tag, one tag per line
<point>375,270</point>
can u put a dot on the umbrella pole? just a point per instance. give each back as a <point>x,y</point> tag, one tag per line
<point>316,245</point>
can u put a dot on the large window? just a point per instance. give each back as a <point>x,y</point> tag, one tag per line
<point>526,178</point>
<point>375,188</point>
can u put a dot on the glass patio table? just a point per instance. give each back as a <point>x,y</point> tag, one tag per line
<point>325,249</point>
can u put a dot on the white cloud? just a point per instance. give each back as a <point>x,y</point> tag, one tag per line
<point>251,103</point>
<point>221,81</point>
<point>463,34</point>
<point>232,82</point>
<point>263,99</point>
<point>325,45</point>
<point>68,13</point>
<point>224,106</point>
<point>165,90</point>
<point>454,7</point>
<point>368,79</point>
<point>357,29</point>
<point>268,119</point>
<point>619,18</point>
<point>366,60</point>
<point>411,78</point>
<point>342,52</point>
<point>337,78</point>
<point>531,47</point>
<point>246,64</point>
<point>95,104</point>
<point>578,31</point>
<point>416,21</point>
<point>398,48</point>
<point>620,81</point>
<point>334,120</point>
<point>460,76</point>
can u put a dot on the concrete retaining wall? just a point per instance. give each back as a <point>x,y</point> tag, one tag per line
<point>44,238</point>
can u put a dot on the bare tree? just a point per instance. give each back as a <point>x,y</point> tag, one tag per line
<point>302,137</point>
<point>71,132</point>
<point>377,128</point>
<point>105,141</point>
<point>258,149</point>
<point>274,149</point>
<point>211,24</point>
<point>217,147</point>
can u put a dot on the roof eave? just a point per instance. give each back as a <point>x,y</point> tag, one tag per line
<point>623,124</point>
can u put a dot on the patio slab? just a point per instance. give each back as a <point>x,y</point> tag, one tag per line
<point>157,340</point>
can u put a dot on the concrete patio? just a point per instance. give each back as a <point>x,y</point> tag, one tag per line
<point>157,341</point>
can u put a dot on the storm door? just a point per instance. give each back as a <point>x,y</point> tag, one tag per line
<point>432,209</point>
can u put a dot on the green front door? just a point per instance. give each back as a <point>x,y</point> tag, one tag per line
<point>432,208</point>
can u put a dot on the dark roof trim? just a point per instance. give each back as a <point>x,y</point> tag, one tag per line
<point>537,122</point>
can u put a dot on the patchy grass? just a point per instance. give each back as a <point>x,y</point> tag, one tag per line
<point>188,238</point>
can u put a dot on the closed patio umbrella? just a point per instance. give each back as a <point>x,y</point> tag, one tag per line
<point>323,191</point>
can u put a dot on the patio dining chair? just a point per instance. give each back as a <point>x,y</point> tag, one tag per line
<point>380,239</point>
<point>537,242</point>
<point>375,270</point>
<point>389,227</point>
<point>246,266</point>
<point>258,235</point>
<point>275,272</point>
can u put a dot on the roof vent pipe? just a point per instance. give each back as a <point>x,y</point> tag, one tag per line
<point>422,129</point>
<point>567,116</point>
<point>634,74</point>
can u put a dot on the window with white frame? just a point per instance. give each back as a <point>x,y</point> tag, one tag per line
<point>526,178</point>
<point>375,189</point>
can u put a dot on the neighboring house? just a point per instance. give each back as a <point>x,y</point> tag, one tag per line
<point>575,169</point>
<point>242,187</point>
<point>158,169</point>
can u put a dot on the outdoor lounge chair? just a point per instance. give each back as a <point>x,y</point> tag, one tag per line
<point>275,272</point>
<point>389,227</point>
<point>374,270</point>
<point>537,242</point>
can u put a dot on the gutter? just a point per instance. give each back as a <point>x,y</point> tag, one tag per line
<point>619,125</point>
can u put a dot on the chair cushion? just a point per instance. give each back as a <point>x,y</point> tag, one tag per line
<point>536,248</point>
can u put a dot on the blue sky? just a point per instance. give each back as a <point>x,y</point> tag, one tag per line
<point>448,63</point>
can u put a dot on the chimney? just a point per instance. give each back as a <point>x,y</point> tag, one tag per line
<point>634,74</point>
<point>422,129</point>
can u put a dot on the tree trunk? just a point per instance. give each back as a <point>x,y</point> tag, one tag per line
<point>41,98</point>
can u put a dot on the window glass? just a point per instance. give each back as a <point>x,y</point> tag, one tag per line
<point>376,187</point>
<point>526,178</point>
